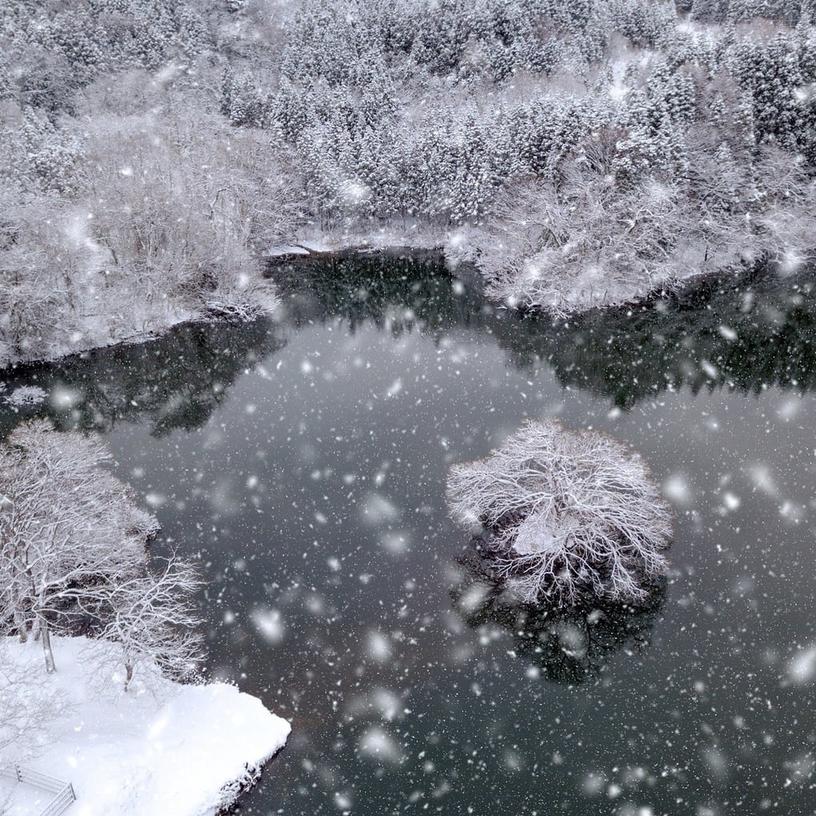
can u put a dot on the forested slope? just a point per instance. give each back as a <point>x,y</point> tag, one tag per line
<point>579,152</point>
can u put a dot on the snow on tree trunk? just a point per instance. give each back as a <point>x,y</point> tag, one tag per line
<point>48,653</point>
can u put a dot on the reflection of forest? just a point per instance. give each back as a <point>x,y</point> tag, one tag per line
<point>175,381</point>
<point>566,644</point>
<point>401,292</point>
<point>747,331</point>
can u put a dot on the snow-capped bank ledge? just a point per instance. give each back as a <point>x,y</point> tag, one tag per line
<point>162,748</point>
<point>410,237</point>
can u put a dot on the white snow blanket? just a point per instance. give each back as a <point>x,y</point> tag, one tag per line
<point>160,748</point>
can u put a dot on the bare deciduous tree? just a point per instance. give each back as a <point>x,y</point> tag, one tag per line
<point>73,549</point>
<point>152,619</point>
<point>68,527</point>
<point>569,512</point>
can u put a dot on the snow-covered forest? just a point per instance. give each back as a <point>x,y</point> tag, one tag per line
<point>579,153</point>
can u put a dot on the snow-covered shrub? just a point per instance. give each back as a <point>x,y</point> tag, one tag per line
<point>243,299</point>
<point>26,395</point>
<point>570,513</point>
<point>28,707</point>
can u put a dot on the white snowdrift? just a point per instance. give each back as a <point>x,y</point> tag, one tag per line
<point>162,748</point>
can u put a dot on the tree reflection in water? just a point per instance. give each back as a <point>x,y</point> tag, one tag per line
<point>566,644</point>
<point>745,331</point>
<point>173,382</point>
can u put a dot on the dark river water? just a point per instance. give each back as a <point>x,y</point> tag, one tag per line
<point>304,463</point>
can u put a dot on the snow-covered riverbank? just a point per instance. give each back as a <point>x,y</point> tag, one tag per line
<point>162,748</point>
<point>410,237</point>
<point>100,334</point>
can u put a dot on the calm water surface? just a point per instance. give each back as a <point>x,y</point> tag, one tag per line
<point>304,464</point>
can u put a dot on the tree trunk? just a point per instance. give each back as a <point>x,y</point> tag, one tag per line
<point>21,625</point>
<point>50,666</point>
<point>128,674</point>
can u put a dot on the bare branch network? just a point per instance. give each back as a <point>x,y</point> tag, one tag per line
<point>73,555</point>
<point>571,513</point>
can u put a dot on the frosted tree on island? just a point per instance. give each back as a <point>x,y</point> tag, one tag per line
<point>570,514</point>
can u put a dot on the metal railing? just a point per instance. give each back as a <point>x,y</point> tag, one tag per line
<point>64,795</point>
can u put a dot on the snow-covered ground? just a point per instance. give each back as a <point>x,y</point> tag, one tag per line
<point>387,236</point>
<point>161,748</point>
